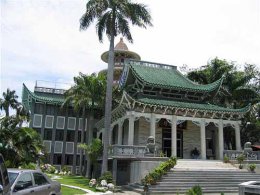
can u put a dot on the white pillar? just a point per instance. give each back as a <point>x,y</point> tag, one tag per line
<point>220,139</point>
<point>120,133</point>
<point>238,140</point>
<point>203,139</point>
<point>111,135</point>
<point>152,125</point>
<point>174,135</point>
<point>131,129</point>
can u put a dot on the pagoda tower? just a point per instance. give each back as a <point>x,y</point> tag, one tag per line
<point>121,54</point>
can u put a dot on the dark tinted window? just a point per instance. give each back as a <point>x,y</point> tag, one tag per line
<point>23,182</point>
<point>47,134</point>
<point>70,136</point>
<point>12,176</point>
<point>39,179</point>
<point>59,135</point>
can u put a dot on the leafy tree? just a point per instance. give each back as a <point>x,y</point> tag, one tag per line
<point>94,150</point>
<point>113,18</point>
<point>87,93</point>
<point>18,144</point>
<point>239,88</point>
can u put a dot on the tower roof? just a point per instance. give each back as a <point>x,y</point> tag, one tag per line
<point>121,49</point>
<point>121,45</point>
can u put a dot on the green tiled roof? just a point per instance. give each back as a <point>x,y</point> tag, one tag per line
<point>195,106</point>
<point>168,77</point>
<point>44,97</point>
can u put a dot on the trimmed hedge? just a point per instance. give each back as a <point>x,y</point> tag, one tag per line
<point>154,176</point>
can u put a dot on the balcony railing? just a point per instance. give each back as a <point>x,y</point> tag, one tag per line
<point>249,155</point>
<point>127,151</point>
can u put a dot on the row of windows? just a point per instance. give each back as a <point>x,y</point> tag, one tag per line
<point>70,147</point>
<point>60,122</point>
<point>50,110</point>
<point>57,158</point>
<point>59,135</point>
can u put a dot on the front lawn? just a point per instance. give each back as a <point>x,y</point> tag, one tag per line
<point>70,191</point>
<point>73,180</point>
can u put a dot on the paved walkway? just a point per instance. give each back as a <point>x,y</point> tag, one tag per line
<point>89,192</point>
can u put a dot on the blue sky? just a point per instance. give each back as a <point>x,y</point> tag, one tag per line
<point>40,39</point>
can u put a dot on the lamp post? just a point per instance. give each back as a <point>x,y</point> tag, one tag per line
<point>38,160</point>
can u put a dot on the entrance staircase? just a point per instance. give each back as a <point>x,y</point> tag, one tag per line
<point>212,176</point>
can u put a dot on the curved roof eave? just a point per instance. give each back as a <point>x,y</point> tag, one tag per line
<point>162,79</point>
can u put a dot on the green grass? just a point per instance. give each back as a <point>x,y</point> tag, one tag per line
<point>74,180</point>
<point>70,191</point>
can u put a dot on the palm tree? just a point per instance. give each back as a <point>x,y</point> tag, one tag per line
<point>87,93</point>
<point>9,100</point>
<point>113,17</point>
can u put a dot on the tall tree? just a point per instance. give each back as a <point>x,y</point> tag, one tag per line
<point>239,88</point>
<point>17,144</point>
<point>9,101</point>
<point>113,18</point>
<point>87,93</point>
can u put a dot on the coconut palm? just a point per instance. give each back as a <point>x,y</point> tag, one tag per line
<point>113,18</point>
<point>9,100</point>
<point>87,93</point>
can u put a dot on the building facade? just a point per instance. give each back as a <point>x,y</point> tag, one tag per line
<point>60,128</point>
<point>159,102</point>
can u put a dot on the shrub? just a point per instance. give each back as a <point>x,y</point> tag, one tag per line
<point>252,167</point>
<point>240,159</point>
<point>48,168</point>
<point>195,190</point>
<point>226,159</point>
<point>159,171</point>
<point>106,176</point>
<point>64,168</point>
<point>28,166</point>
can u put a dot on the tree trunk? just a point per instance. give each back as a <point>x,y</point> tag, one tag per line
<point>82,138</point>
<point>90,137</point>
<point>108,106</point>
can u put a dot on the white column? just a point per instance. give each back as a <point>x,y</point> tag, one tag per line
<point>238,140</point>
<point>152,125</point>
<point>120,133</point>
<point>203,139</point>
<point>220,139</point>
<point>131,129</point>
<point>174,135</point>
<point>111,135</point>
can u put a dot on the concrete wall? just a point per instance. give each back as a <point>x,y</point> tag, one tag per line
<point>191,139</point>
<point>139,169</point>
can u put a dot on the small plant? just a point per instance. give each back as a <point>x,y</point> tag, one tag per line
<point>222,193</point>
<point>226,159</point>
<point>28,166</point>
<point>240,159</point>
<point>106,176</point>
<point>195,190</point>
<point>252,167</point>
<point>48,168</point>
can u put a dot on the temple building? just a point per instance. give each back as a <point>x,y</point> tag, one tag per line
<point>158,103</point>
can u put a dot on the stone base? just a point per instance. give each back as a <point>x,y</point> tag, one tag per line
<point>139,169</point>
